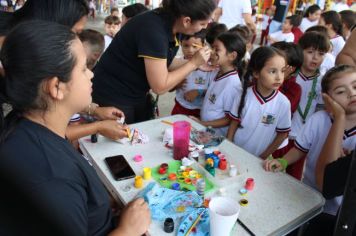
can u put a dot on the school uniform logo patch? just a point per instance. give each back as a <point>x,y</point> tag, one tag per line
<point>199,81</point>
<point>212,98</point>
<point>268,119</point>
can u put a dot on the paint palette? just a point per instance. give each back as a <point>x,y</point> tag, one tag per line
<point>182,180</point>
<point>196,223</point>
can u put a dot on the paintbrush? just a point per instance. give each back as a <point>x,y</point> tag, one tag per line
<point>197,45</point>
<point>194,223</point>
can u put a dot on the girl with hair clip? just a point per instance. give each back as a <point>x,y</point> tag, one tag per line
<point>229,50</point>
<point>142,57</point>
<point>261,117</point>
<point>332,21</point>
<point>311,17</point>
<point>339,92</point>
<point>50,188</point>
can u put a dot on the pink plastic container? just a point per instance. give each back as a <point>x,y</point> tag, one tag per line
<point>181,135</point>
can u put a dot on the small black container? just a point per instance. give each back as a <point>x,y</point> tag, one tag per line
<point>168,225</point>
<point>94,138</point>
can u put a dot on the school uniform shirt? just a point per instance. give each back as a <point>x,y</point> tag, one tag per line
<point>261,119</point>
<point>120,75</point>
<point>197,80</point>
<point>297,34</point>
<point>306,24</point>
<point>338,43</point>
<point>53,176</point>
<point>107,40</point>
<point>232,11</point>
<point>306,84</point>
<point>265,22</point>
<point>340,6</point>
<point>328,63</point>
<point>311,140</point>
<point>221,93</point>
<point>279,36</point>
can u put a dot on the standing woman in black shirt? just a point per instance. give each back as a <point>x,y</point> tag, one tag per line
<point>50,189</point>
<point>141,56</point>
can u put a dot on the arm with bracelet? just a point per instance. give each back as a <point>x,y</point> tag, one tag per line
<point>280,164</point>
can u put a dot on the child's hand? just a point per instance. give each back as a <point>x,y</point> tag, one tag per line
<point>108,113</point>
<point>111,129</point>
<point>331,106</point>
<point>272,165</point>
<point>191,95</point>
<point>195,119</point>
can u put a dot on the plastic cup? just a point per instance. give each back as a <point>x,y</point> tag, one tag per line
<point>223,213</point>
<point>181,135</point>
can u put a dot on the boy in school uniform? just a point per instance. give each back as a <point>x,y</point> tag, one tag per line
<point>112,26</point>
<point>282,35</point>
<point>290,88</point>
<point>314,45</point>
<point>190,96</point>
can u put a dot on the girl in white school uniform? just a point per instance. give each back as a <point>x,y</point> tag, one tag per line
<point>311,17</point>
<point>332,21</point>
<point>339,83</point>
<point>261,117</point>
<point>229,49</point>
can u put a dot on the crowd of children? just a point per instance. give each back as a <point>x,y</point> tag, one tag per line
<point>269,102</point>
<point>273,107</point>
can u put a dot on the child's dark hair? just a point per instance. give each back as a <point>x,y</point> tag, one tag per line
<point>311,10</point>
<point>333,18</point>
<point>43,45</point>
<point>348,18</point>
<point>333,74</point>
<point>200,35</point>
<point>294,54</point>
<point>133,10</point>
<point>94,38</point>
<point>65,12</point>
<point>234,43</point>
<point>243,31</point>
<point>294,20</point>
<point>318,28</point>
<point>112,20</point>
<point>196,10</point>
<point>316,40</point>
<point>114,9</point>
<point>259,57</point>
<point>214,30</point>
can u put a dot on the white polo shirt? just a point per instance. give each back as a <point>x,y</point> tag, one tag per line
<point>222,92</point>
<point>311,141</point>
<point>232,11</point>
<point>306,24</point>
<point>338,43</point>
<point>264,23</point>
<point>261,119</point>
<point>198,79</point>
<point>306,84</point>
<point>328,63</point>
<point>279,36</point>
